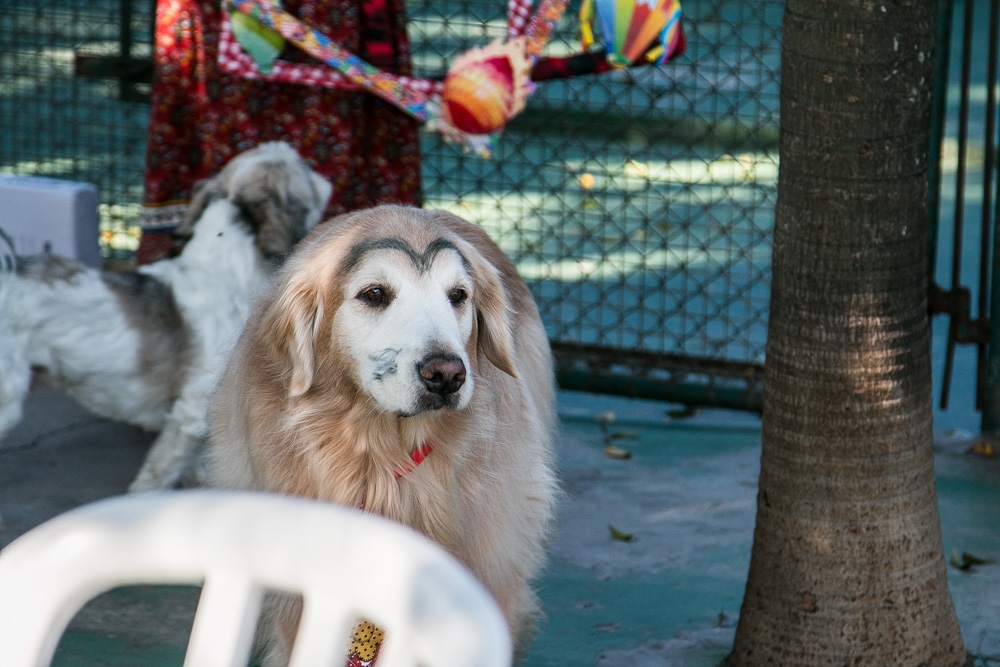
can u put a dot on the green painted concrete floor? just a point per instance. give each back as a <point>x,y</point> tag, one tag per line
<point>669,596</point>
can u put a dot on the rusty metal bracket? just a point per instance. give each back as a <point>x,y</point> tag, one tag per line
<point>962,327</point>
<point>957,304</point>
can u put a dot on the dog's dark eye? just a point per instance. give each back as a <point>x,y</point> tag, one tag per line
<point>375,296</point>
<point>457,296</point>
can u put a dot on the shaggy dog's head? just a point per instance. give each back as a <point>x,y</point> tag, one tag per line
<point>397,306</point>
<point>280,196</point>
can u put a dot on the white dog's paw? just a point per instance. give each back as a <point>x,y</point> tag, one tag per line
<point>173,460</point>
<point>10,416</point>
<point>146,480</point>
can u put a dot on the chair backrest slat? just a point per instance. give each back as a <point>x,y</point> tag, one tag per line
<point>226,620</point>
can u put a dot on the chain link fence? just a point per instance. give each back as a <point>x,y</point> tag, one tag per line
<point>636,203</point>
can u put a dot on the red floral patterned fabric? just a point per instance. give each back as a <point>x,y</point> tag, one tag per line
<point>201,116</point>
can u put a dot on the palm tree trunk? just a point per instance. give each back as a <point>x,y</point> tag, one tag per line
<point>847,565</point>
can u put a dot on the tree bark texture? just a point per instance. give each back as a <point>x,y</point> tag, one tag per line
<point>847,566</point>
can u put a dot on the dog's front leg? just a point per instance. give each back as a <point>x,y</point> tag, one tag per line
<point>184,434</point>
<point>15,375</point>
<point>167,460</point>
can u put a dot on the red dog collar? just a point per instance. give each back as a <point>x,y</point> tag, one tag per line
<point>416,458</point>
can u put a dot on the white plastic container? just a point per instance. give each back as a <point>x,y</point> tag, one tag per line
<point>49,215</point>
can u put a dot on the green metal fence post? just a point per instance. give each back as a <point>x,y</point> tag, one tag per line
<point>991,392</point>
<point>940,95</point>
<point>991,388</point>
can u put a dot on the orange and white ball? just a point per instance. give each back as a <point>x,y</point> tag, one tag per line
<point>486,87</point>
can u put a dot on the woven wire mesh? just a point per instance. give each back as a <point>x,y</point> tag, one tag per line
<point>636,203</point>
<point>57,125</point>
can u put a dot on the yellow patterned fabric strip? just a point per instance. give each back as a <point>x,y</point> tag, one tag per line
<point>365,644</point>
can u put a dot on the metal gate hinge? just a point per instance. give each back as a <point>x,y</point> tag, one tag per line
<point>957,304</point>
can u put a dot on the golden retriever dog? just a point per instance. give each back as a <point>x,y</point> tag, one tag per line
<point>400,366</point>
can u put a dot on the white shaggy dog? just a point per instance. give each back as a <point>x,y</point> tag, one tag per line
<point>147,346</point>
<point>400,366</point>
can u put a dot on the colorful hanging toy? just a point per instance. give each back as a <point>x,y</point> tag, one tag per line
<point>483,89</point>
<point>630,28</point>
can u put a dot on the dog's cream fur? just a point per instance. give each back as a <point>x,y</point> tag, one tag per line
<point>323,395</point>
<point>147,347</point>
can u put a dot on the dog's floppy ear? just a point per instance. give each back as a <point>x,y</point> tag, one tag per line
<point>292,322</point>
<point>276,215</point>
<point>494,314</point>
<point>323,190</point>
<point>283,202</point>
<point>205,192</point>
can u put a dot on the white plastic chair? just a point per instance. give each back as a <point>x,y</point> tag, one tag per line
<point>346,564</point>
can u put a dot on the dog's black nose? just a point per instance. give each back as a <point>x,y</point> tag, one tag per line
<point>442,374</point>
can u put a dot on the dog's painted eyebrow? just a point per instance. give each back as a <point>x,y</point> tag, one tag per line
<point>422,261</point>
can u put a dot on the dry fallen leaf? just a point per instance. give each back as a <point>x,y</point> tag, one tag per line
<point>605,417</point>
<point>967,560</point>
<point>606,628</point>
<point>984,449</point>
<point>975,560</point>
<point>620,535</point>
<point>613,452</point>
<point>683,412</point>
